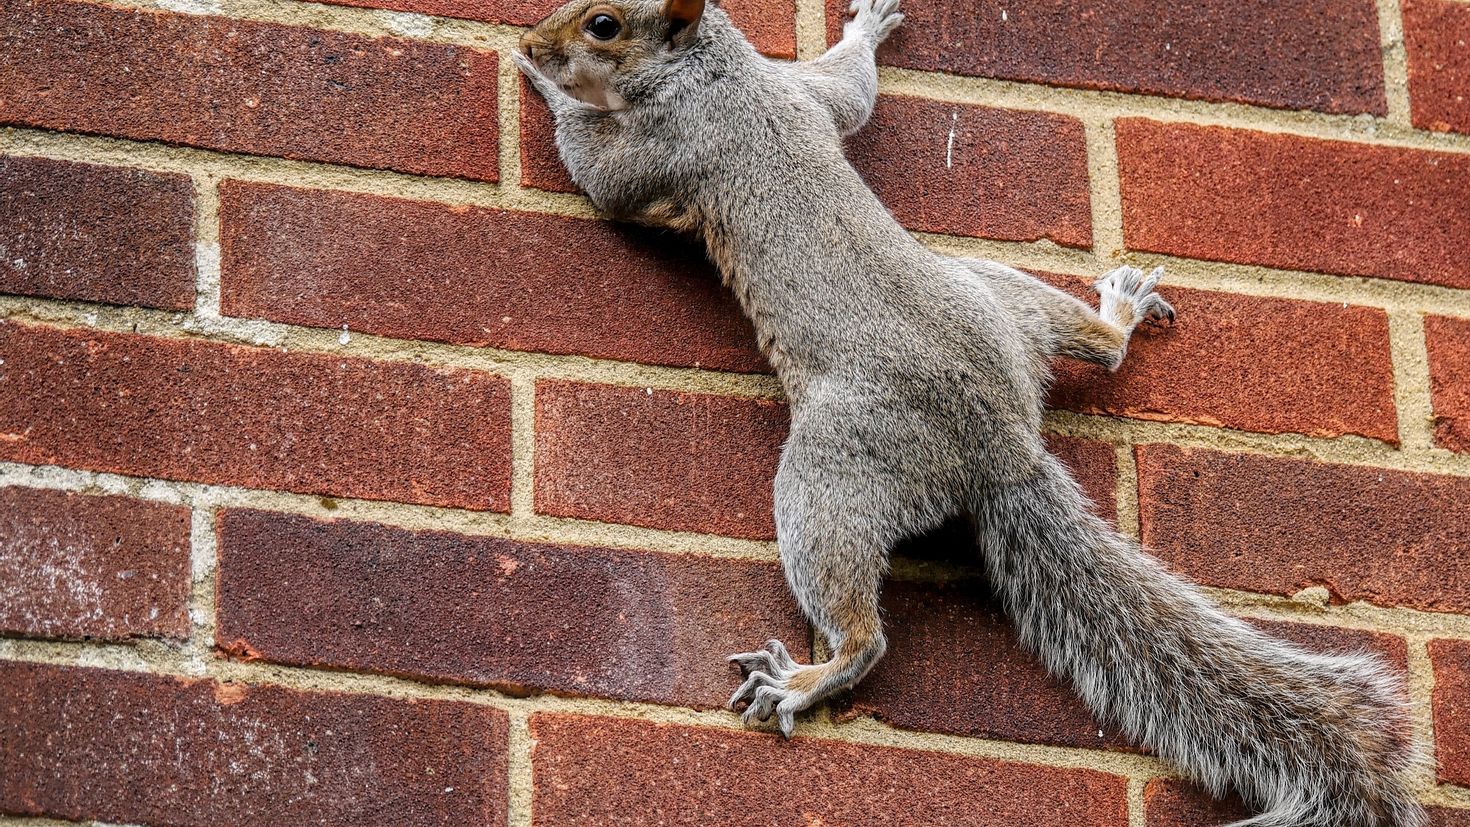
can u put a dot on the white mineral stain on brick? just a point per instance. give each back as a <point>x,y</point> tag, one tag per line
<point>50,581</point>
<point>407,24</point>
<point>191,6</point>
<point>954,124</point>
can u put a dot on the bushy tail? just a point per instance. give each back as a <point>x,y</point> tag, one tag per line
<point>1308,740</point>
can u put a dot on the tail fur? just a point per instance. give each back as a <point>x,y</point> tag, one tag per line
<point>1308,740</point>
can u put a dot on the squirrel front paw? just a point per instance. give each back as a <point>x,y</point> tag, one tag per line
<point>876,19</point>
<point>1128,297</point>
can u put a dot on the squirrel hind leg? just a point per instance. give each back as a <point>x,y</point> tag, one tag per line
<point>836,522</point>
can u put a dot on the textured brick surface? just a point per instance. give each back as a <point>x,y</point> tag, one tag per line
<point>769,24</point>
<point>954,665</point>
<point>108,234</point>
<point>541,166</point>
<point>1018,176</point>
<point>124,747</point>
<point>1301,203</point>
<point>1327,367</point>
<point>1175,803</point>
<point>608,771</point>
<point>1452,709</point>
<point>99,567</point>
<point>1298,54</point>
<point>1437,40</point>
<point>1448,341</point>
<point>1094,465</point>
<point>252,417</point>
<point>481,610</point>
<point>259,88</point>
<point>1277,525</point>
<point>655,458</point>
<point>524,281</point>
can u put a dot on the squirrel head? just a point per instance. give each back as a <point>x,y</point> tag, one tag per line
<point>594,49</point>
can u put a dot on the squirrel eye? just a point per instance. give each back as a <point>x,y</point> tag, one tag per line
<point>603,26</point>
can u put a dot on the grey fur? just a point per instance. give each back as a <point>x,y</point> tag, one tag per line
<point>916,384</point>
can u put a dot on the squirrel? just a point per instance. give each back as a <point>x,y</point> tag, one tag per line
<point>916,384</point>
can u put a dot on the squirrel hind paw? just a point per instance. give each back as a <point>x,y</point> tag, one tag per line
<point>768,690</point>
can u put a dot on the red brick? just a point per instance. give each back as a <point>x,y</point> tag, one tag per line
<point>541,165</point>
<point>954,665</point>
<point>1171,802</point>
<point>1300,55</point>
<point>1301,203</point>
<point>1175,803</point>
<point>108,568</point>
<point>1446,817</point>
<point>659,459</point>
<point>1448,341</point>
<point>1451,660</point>
<point>1278,525</point>
<point>590,770</point>
<point>1437,39</point>
<point>1327,366</point>
<point>1019,176</point>
<point>228,415</point>
<point>127,747</point>
<point>487,611</point>
<point>106,234</point>
<point>905,155</point>
<point>258,88</point>
<point>524,281</point>
<point>1094,465</point>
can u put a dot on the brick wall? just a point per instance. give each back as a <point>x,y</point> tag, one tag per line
<point>352,472</point>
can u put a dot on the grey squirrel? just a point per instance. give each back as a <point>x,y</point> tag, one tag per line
<point>916,384</point>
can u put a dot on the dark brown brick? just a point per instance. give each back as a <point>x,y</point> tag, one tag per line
<point>1451,660</point>
<point>1019,176</point>
<point>1278,525</point>
<point>487,611</point>
<point>1300,55</point>
<point>524,281</point>
<point>541,165</point>
<point>1302,203</point>
<point>1446,817</point>
<point>954,665</point>
<point>1448,341</point>
<point>108,568</point>
<point>105,234</point>
<point>659,459</point>
<point>616,771</point>
<point>1174,803</point>
<point>1327,368</point>
<point>127,747</point>
<point>769,24</point>
<point>1437,39</point>
<point>252,417</point>
<point>258,88</point>
<point>1171,802</point>
<point>1095,466</point>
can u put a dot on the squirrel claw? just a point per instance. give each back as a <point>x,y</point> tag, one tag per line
<point>1127,294</point>
<point>766,690</point>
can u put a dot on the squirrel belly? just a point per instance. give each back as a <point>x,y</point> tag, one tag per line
<point>916,384</point>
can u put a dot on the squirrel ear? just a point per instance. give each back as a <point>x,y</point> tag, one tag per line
<point>683,17</point>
